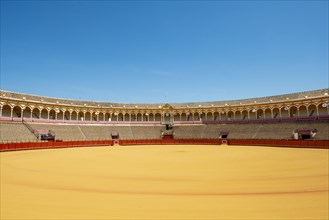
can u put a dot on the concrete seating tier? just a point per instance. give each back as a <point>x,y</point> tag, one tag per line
<point>147,131</point>
<point>62,132</point>
<point>189,131</point>
<point>15,132</point>
<point>19,132</point>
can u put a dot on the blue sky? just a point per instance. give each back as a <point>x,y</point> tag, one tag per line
<point>153,52</point>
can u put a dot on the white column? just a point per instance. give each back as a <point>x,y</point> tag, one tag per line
<point>31,113</point>
<point>63,115</point>
<point>272,113</point>
<point>264,113</point>
<point>48,114</point>
<point>306,111</point>
<point>22,111</point>
<point>248,115</point>
<point>11,112</point>
<point>142,117</point>
<point>317,110</point>
<point>55,115</point>
<point>0,111</point>
<point>40,113</point>
<point>234,115</point>
<point>280,113</point>
<point>70,116</point>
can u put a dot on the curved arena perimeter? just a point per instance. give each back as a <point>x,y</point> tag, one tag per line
<point>299,119</point>
<point>189,160</point>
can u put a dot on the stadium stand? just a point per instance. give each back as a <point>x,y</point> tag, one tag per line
<point>15,132</point>
<point>63,132</point>
<point>24,116</point>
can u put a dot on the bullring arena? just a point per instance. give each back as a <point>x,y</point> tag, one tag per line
<point>259,158</point>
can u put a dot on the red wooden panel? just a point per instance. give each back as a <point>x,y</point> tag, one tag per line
<point>24,145</point>
<point>49,144</point>
<point>325,144</point>
<point>3,147</point>
<point>38,145</point>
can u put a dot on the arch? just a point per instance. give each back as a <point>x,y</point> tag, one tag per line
<point>27,112</point>
<point>74,116</point>
<point>101,116</point>
<point>302,111</point>
<point>244,114</point>
<point>120,117</point>
<point>209,116</point>
<point>157,117</point>
<point>17,112</point>
<point>126,117</point>
<point>88,116</point>
<point>36,113</point>
<point>60,115</point>
<point>293,112</point>
<point>238,115</point>
<point>216,116</point>
<point>312,111</point>
<point>52,114</point>
<point>44,114</point>
<point>66,115</point>
<point>183,116</point>
<point>260,114</point>
<point>230,115</point>
<point>253,114</point>
<point>285,112</point>
<point>6,111</point>
<point>107,116</point>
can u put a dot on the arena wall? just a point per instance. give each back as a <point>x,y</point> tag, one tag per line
<point>324,144</point>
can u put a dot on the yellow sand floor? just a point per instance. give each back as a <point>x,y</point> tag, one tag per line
<point>165,182</point>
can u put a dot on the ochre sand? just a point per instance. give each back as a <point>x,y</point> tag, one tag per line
<point>165,182</point>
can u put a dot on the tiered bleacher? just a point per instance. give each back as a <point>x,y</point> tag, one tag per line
<point>27,117</point>
<point>15,132</point>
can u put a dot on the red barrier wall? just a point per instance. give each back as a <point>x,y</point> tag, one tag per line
<point>63,144</point>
